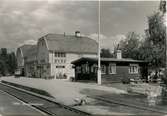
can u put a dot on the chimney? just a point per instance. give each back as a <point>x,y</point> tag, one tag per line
<point>119,54</point>
<point>77,34</point>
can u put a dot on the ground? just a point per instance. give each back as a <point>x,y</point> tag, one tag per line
<point>64,91</point>
<point>9,105</point>
<point>69,93</point>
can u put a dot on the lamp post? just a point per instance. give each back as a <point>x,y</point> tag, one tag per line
<point>99,49</point>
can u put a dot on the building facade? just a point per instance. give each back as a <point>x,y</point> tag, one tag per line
<point>53,54</point>
<point>25,55</point>
<point>57,51</point>
<point>112,69</point>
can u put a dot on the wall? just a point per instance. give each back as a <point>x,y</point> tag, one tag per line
<point>20,59</point>
<point>43,68</point>
<point>68,70</point>
<point>43,53</point>
<point>122,73</point>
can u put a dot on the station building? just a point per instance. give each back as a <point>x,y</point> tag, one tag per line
<point>112,69</point>
<point>26,59</point>
<point>53,54</point>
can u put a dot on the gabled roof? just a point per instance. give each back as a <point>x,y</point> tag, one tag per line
<point>95,59</point>
<point>28,50</point>
<point>71,43</point>
<point>32,52</point>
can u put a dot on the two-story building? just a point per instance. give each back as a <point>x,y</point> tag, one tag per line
<point>57,51</point>
<point>53,54</point>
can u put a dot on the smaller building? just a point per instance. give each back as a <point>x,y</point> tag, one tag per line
<point>112,69</point>
<point>26,55</point>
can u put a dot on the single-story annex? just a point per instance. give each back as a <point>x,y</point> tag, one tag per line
<point>112,69</point>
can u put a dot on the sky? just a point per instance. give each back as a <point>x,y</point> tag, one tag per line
<point>25,21</point>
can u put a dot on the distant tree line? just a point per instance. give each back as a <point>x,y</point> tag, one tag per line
<point>7,62</point>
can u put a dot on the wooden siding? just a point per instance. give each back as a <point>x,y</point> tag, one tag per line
<point>122,72</point>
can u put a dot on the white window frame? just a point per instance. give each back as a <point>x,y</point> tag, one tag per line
<point>104,69</point>
<point>113,67</point>
<point>94,68</point>
<point>135,70</point>
<point>86,68</point>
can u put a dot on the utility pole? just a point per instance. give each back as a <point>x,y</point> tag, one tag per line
<point>99,49</point>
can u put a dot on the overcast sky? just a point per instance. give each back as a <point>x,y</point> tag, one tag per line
<point>24,21</point>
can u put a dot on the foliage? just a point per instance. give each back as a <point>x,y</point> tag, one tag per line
<point>7,62</point>
<point>156,38</point>
<point>156,29</point>
<point>130,46</point>
<point>162,6</point>
<point>152,49</point>
<point>154,54</point>
<point>105,53</point>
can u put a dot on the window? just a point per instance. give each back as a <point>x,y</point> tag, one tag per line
<point>94,68</point>
<point>56,54</point>
<point>103,69</point>
<point>112,68</point>
<point>86,68</point>
<point>133,69</point>
<point>60,54</point>
<point>60,66</point>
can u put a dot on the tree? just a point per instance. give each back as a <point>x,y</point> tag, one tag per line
<point>105,53</point>
<point>130,46</point>
<point>156,29</point>
<point>3,61</point>
<point>7,62</point>
<point>152,54</point>
<point>3,52</point>
<point>12,62</point>
<point>3,69</point>
<point>155,39</point>
<point>162,6</point>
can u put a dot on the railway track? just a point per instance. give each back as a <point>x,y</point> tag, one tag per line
<point>47,106</point>
<point>132,104</point>
<point>53,108</point>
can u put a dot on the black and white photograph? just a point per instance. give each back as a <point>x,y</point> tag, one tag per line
<point>83,57</point>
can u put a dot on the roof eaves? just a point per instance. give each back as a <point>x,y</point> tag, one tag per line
<point>109,60</point>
